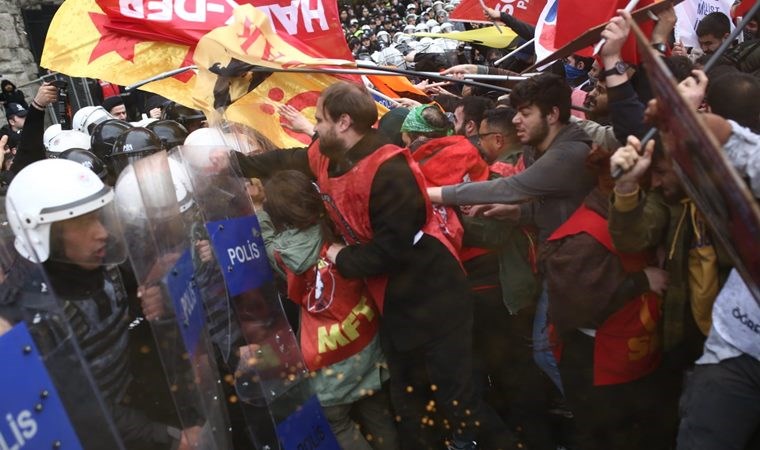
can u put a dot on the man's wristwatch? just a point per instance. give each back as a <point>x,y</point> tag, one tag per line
<point>660,47</point>
<point>618,69</point>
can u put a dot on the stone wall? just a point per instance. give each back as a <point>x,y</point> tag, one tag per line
<point>16,61</point>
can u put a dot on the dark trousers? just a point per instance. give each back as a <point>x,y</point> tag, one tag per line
<point>509,379</point>
<point>436,380</point>
<point>618,416</point>
<point>720,407</point>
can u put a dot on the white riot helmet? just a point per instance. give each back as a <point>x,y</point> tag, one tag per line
<point>447,27</point>
<point>431,23</point>
<point>41,202</point>
<point>129,199</point>
<point>87,117</point>
<point>65,140</point>
<point>50,133</point>
<point>436,29</point>
<point>216,137</point>
<point>421,28</point>
<point>409,29</point>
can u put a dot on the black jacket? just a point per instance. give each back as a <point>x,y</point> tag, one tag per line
<point>427,294</point>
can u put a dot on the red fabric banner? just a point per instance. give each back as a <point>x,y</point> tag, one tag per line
<point>314,23</point>
<point>575,17</point>
<point>525,10</point>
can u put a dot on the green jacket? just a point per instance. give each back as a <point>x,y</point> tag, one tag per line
<point>519,284</point>
<point>353,378</point>
<point>645,221</point>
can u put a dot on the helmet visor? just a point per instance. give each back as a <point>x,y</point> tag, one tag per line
<point>90,240</point>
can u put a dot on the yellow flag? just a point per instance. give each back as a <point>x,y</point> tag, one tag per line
<point>80,44</point>
<point>226,57</point>
<point>488,36</point>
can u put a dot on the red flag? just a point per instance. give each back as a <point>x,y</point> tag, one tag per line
<point>525,10</point>
<point>742,8</point>
<point>314,22</point>
<point>574,17</point>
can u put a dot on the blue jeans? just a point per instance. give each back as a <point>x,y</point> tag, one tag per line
<point>542,349</point>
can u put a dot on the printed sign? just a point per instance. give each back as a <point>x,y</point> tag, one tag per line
<point>32,413</point>
<point>186,298</point>
<point>239,248</point>
<point>307,428</point>
<point>690,12</point>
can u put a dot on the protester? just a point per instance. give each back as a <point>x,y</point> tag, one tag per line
<point>414,269</point>
<point>552,186</point>
<point>349,380</point>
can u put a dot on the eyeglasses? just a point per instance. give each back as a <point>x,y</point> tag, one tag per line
<point>482,135</point>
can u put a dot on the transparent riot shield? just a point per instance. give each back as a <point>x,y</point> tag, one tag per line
<point>49,397</point>
<point>150,206</point>
<point>269,359</point>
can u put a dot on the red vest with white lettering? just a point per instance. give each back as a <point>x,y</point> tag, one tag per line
<point>446,161</point>
<point>627,345</point>
<point>338,317</point>
<point>347,199</point>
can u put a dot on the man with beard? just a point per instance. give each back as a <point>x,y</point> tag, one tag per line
<point>555,179</point>
<point>375,196</point>
<point>665,218</point>
<point>552,186</point>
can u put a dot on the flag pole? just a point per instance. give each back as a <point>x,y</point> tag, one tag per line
<point>513,52</point>
<point>383,96</point>
<point>160,76</point>
<point>628,8</point>
<point>431,75</point>
<point>493,21</point>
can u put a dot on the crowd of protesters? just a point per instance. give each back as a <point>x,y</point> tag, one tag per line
<point>513,292</point>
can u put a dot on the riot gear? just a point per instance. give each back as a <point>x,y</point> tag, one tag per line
<point>71,191</point>
<point>86,118</point>
<point>87,159</point>
<point>104,135</point>
<point>130,146</point>
<point>65,140</point>
<point>51,132</point>
<point>190,118</point>
<point>170,132</point>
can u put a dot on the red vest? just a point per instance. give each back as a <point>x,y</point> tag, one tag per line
<point>338,317</point>
<point>347,199</point>
<point>506,169</point>
<point>446,161</point>
<point>627,344</point>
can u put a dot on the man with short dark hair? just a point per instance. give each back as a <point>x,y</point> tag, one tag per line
<point>554,152</point>
<point>375,197</point>
<point>115,106</point>
<point>468,114</point>
<point>735,96</point>
<point>712,30</point>
<point>552,186</point>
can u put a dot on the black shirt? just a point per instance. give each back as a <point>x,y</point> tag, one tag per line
<point>427,294</point>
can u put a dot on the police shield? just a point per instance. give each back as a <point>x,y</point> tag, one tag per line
<point>49,396</point>
<point>150,205</point>
<point>270,360</point>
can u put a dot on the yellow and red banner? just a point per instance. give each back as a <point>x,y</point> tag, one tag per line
<point>79,43</point>
<point>227,60</point>
<point>126,41</point>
